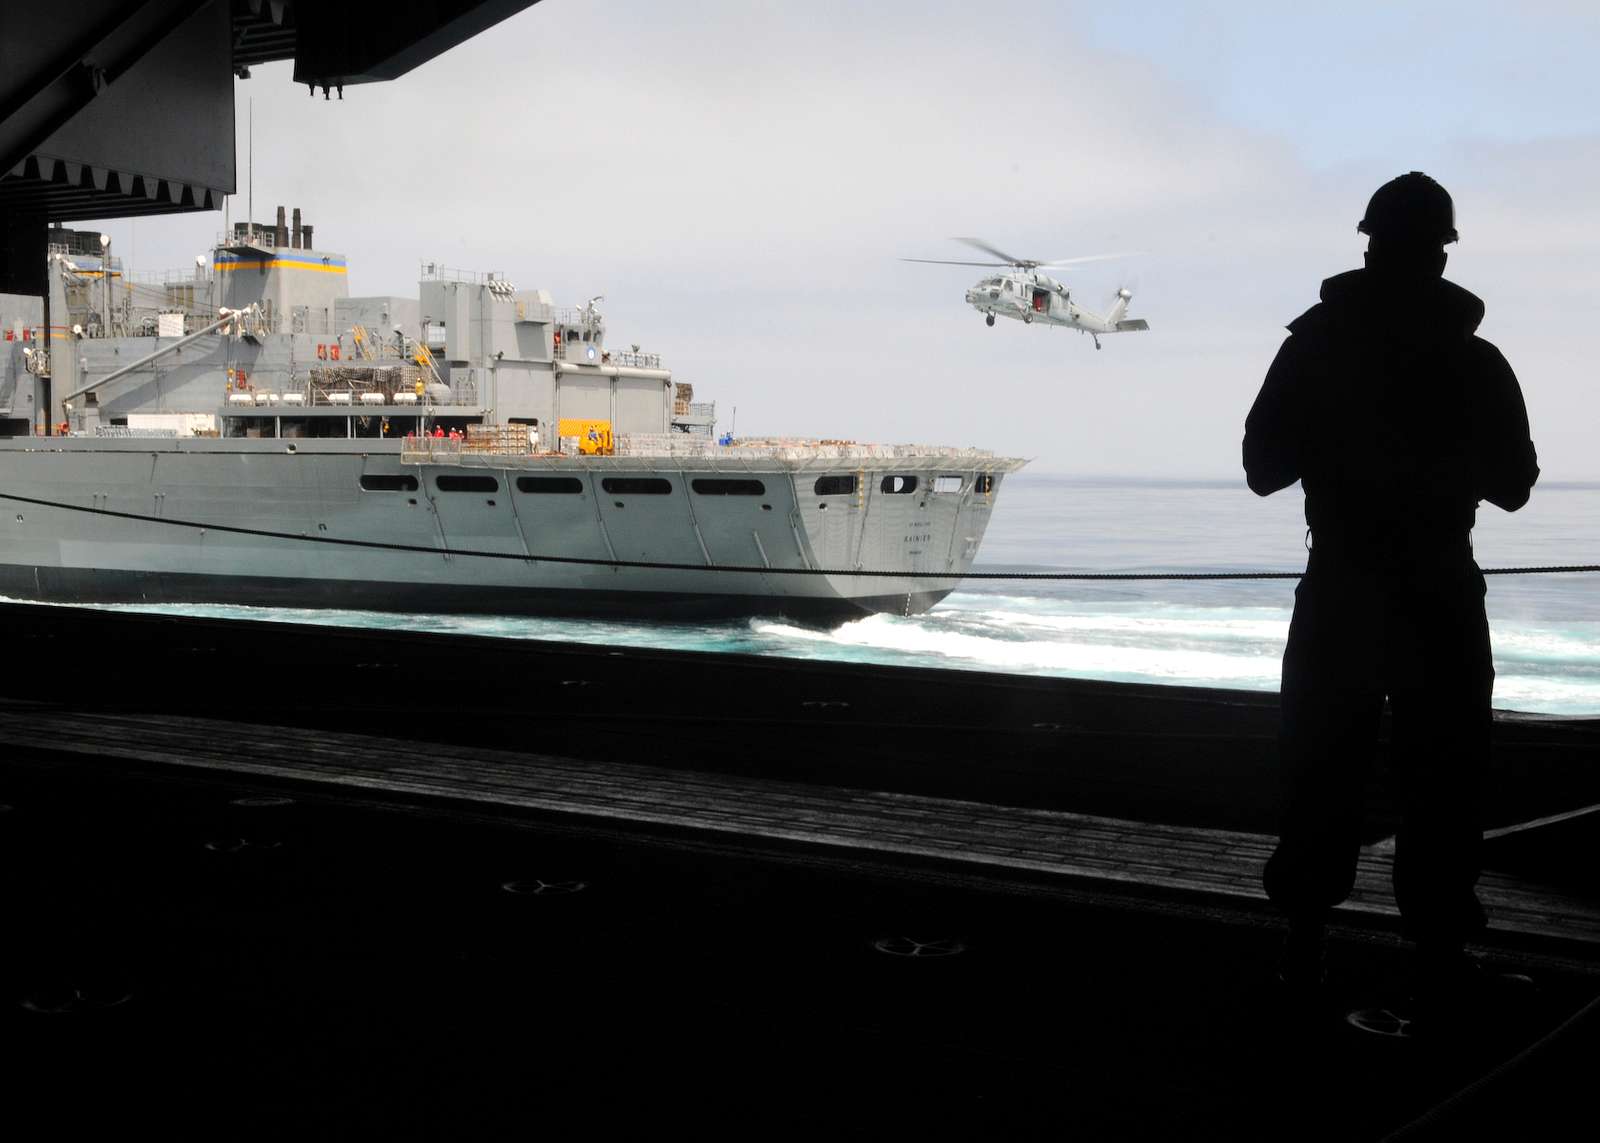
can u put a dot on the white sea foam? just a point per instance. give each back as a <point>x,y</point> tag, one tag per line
<point>1159,626</point>
<point>1546,696</point>
<point>1572,645</point>
<point>1538,669</point>
<point>919,637</point>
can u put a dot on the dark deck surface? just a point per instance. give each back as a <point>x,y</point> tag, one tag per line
<point>999,840</point>
<point>327,935</point>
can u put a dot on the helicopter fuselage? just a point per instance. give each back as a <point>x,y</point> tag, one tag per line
<point>1033,297</point>
<point>1020,292</point>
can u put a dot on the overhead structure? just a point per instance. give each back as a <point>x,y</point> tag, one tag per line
<point>121,108</point>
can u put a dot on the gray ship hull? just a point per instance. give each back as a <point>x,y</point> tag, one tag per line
<point>352,524</point>
<point>98,585</point>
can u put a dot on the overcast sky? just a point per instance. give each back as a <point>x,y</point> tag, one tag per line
<point>740,180</point>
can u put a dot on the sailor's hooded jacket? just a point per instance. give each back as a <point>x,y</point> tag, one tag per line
<point>1396,418</point>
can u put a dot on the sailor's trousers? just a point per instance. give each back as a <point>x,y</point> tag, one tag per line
<point>1418,637</point>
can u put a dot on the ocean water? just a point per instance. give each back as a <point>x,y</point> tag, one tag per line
<point>1545,629</point>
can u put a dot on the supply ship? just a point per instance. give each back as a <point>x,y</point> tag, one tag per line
<point>247,432</point>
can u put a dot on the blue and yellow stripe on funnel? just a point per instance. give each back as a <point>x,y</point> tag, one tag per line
<point>328,264</point>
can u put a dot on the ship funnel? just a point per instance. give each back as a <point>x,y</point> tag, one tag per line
<point>294,232</point>
<point>305,236</point>
<point>282,237</point>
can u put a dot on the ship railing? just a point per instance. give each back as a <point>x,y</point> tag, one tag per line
<point>417,356</point>
<point>183,276</point>
<point>433,272</point>
<point>694,410</point>
<point>125,431</point>
<point>263,236</point>
<point>431,450</point>
<point>639,360</point>
<point>406,399</point>
<point>498,440</point>
<point>579,316</point>
<point>694,445</point>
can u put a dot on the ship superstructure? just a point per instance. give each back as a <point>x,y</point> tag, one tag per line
<point>248,432</point>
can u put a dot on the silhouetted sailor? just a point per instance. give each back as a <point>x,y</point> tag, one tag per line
<point>1397,420</point>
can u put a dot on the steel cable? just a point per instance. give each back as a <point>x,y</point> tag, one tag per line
<point>745,569</point>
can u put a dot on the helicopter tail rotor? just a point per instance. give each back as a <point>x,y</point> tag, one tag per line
<point>1118,315</point>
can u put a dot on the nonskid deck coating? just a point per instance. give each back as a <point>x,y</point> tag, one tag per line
<point>992,838</point>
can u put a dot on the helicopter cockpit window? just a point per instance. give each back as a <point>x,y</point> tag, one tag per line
<point>1008,287</point>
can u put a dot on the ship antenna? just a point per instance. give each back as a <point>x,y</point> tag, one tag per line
<point>251,205</point>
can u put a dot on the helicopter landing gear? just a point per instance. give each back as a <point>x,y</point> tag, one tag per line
<point>1096,341</point>
<point>1027,319</point>
<point>988,319</point>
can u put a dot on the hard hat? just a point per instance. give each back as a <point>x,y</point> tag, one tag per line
<point>1411,210</point>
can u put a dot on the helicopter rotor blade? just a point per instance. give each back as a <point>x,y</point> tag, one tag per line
<point>1089,258</point>
<point>1005,259</point>
<point>944,262</point>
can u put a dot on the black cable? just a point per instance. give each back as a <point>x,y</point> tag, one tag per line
<point>1460,1104</point>
<point>657,565</point>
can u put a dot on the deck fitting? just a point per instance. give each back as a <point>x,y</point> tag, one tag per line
<point>240,844</point>
<point>67,1000</point>
<point>537,888</point>
<point>911,947</point>
<point>1380,1022</point>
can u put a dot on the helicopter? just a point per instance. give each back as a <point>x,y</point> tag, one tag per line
<point>1028,296</point>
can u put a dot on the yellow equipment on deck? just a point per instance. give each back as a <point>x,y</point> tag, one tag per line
<point>594,437</point>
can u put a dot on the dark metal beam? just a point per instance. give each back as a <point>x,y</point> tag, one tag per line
<point>44,89</point>
<point>22,252</point>
<point>160,141</point>
<point>365,41</point>
<point>124,108</point>
<point>263,31</point>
